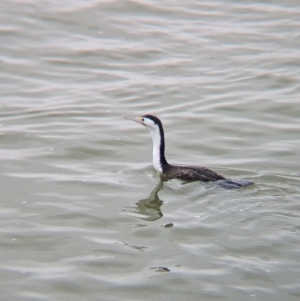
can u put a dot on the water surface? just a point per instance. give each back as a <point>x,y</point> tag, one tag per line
<point>83,213</point>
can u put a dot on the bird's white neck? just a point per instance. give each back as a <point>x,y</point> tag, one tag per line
<point>156,138</point>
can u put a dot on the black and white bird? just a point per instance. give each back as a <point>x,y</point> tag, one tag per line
<point>186,173</point>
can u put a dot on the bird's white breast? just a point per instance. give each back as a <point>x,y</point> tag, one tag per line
<point>156,149</point>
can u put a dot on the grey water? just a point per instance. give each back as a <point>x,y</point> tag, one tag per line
<point>84,215</point>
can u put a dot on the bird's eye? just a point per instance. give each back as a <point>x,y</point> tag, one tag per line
<point>143,119</point>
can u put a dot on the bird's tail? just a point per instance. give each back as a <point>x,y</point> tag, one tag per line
<point>233,184</point>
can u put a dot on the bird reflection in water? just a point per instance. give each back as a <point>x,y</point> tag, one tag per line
<point>149,208</point>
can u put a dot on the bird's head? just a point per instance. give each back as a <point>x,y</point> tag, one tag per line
<point>152,123</point>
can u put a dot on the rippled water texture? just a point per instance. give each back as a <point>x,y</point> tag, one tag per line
<point>83,214</point>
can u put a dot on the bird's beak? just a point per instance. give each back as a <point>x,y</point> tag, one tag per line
<point>136,119</point>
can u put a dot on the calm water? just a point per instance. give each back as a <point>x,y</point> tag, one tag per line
<point>83,215</point>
